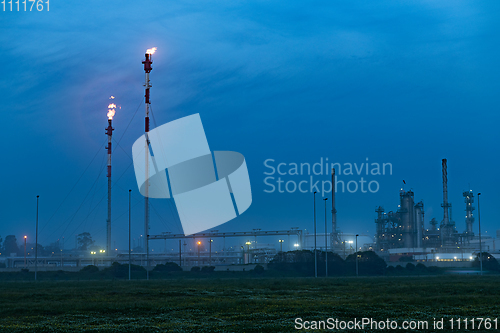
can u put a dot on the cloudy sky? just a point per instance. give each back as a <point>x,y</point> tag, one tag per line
<point>406,83</point>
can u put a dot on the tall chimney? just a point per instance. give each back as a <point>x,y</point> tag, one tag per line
<point>109,133</point>
<point>147,69</point>
<point>446,220</point>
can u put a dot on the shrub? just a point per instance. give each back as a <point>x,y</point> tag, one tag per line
<point>195,269</point>
<point>208,269</point>
<point>90,269</point>
<point>259,269</point>
<point>369,263</point>
<point>121,271</point>
<point>421,267</point>
<point>168,267</point>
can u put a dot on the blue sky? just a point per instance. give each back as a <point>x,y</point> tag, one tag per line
<point>402,83</point>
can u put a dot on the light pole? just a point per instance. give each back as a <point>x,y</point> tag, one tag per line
<point>480,244</point>
<point>210,254</point>
<point>315,256</point>
<point>24,251</point>
<point>281,244</point>
<point>357,254</point>
<point>199,243</point>
<point>36,239</point>
<point>326,242</point>
<point>248,250</point>
<point>129,235</point>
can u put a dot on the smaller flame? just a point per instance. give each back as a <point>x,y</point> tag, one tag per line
<point>151,51</point>
<point>111,110</point>
<point>112,97</point>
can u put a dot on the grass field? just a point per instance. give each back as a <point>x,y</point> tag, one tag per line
<point>241,305</point>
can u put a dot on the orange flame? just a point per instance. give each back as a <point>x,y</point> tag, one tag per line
<point>151,51</point>
<point>111,110</point>
<point>112,97</point>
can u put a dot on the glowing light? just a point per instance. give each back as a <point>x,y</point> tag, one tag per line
<point>25,237</point>
<point>151,50</point>
<point>112,97</point>
<point>111,110</point>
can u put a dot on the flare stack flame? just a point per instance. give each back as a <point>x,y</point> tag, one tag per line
<point>111,111</point>
<point>151,50</point>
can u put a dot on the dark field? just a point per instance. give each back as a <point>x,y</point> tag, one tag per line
<point>241,305</point>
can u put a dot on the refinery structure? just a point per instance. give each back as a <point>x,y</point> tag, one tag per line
<point>403,232</point>
<point>399,233</point>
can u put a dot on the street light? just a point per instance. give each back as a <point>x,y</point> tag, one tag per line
<point>480,243</point>
<point>93,252</point>
<point>36,238</point>
<point>281,244</point>
<point>24,251</point>
<point>210,254</point>
<point>248,250</point>
<point>296,245</point>
<point>326,242</point>
<point>315,255</point>
<point>357,255</point>
<point>199,243</point>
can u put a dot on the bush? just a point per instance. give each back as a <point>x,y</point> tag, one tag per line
<point>302,263</point>
<point>90,269</point>
<point>410,267</point>
<point>167,268</point>
<point>195,269</point>
<point>121,271</point>
<point>421,267</point>
<point>369,263</point>
<point>390,270</point>
<point>208,269</point>
<point>259,269</point>
<point>489,262</point>
<point>433,269</point>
